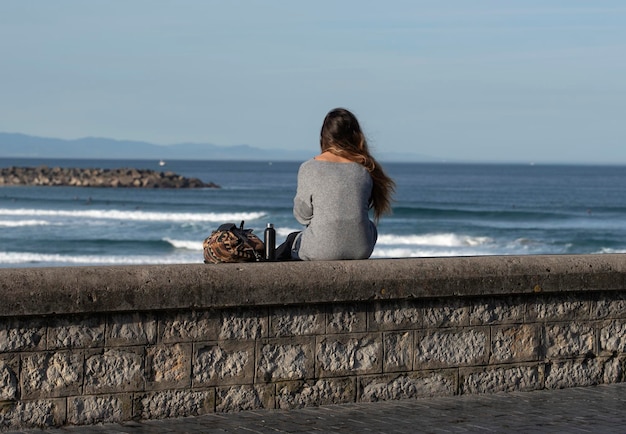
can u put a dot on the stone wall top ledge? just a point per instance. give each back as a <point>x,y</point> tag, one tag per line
<point>43,291</point>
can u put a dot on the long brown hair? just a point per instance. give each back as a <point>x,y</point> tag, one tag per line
<point>341,135</point>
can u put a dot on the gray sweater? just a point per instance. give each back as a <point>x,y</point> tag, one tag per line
<point>332,201</point>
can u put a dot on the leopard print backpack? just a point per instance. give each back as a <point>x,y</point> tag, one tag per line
<point>230,243</point>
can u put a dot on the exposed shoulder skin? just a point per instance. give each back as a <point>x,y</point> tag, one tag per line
<point>330,157</point>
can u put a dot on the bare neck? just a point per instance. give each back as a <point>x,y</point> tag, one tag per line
<point>328,156</point>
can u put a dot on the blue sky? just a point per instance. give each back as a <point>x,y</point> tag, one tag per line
<point>497,81</point>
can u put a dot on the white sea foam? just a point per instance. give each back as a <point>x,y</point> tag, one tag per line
<point>194,245</point>
<point>400,252</point>
<point>609,250</point>
<point>283,232</point>
<point>439,240</point>
<point>21,223</point>
<point>450,244</point>
<point>149,216</point>
<point>28,258</point>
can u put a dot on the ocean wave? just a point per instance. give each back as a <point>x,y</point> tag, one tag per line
<point>451,244</point>
<point>403,252</point>
<point>439,240</point>
<point>283,232</point>
<point>194,245</point>
<point>148,216</point>
<point>29,259</point>
<point>21,223</point>
<point>467,212</point>
<point>609,250</point>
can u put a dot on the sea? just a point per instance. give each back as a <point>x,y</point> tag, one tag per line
<point>439,210</point>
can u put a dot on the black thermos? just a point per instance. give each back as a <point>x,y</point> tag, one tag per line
<point>270,242</point>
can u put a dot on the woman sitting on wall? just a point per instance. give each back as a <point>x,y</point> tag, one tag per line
<point>335,192</point>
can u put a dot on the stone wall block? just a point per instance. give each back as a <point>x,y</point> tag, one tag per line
<point>615,370</point>
<point>299,394</point>
<point>398,351</point>
<point>396,315</point>
<point>240,398</point>
<point>557,308</point>
<point>168,366</point>
<point>613,336</point>
<point>446,313</point>
<point>608,306</point>
<point>407,386</point>
<point>346,318</point>
<point>501,379</point>
<point>76,332</point>
<point>22,335</point>
<point>52,374</point>
<point>91,410</point>
<point>569,340</point>
<point>352,354</point>
<point>297,321</point>
<point>40,414</point>
<point>451,347</point>
<point>131,329</point>
<point>189,326</point>
<point>228,362</point>
<point>174,403</point>
<point>244,324</point>
<point>574,373</point>
<point>285,359</point>
<point>515,343</point>
<point>506,310</point>
<point>114,370</point>
<point>9,371</point>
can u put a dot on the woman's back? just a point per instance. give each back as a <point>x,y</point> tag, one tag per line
<point>333,201</point>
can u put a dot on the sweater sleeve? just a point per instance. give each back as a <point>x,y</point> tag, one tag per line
<point>303,201</point>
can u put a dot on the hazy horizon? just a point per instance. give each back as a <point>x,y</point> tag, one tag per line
<point>101,148</point>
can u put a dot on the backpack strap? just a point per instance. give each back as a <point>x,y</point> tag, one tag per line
<point>240,233</point>
<point>227,227</point>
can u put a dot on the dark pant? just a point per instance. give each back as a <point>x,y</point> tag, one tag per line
<point>283,252</point>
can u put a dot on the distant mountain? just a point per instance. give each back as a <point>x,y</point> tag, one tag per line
<point>15,145</point>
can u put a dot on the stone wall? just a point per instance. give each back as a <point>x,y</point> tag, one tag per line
<point>85,345</point>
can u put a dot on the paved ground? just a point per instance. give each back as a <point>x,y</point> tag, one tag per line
<point>600,409</point>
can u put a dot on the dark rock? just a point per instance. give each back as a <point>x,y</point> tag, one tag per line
<point>114,178</point>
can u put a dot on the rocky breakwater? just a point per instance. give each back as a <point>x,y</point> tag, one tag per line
<point>116,178</point>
